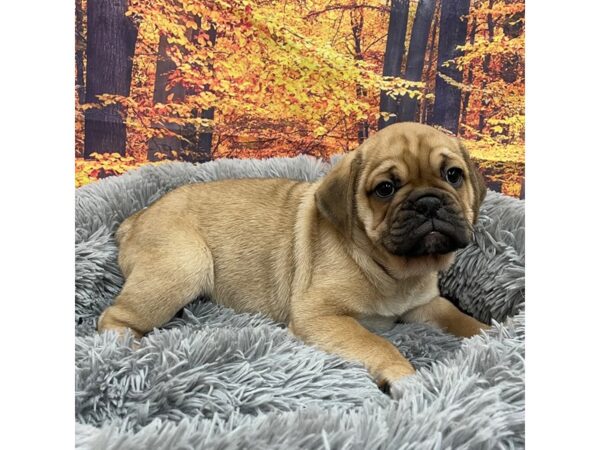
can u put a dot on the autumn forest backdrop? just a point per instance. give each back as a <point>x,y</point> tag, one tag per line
<point>197,80</point>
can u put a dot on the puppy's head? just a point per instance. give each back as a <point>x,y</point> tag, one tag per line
<point>410,189</point>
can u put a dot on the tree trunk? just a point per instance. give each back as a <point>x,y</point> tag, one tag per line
<point>487,59</point>
<point>394,52</point>
<point>79,49</point>
<point>453,32</point>
<point>512,27</point>
<point>416,55</point>
<point>164,66</point>
<point>467,97</point>
<point>110,47</point>
<point>202,150</point>
<point>192,145</point>
<point>426,106</point>
<point>357,26</point>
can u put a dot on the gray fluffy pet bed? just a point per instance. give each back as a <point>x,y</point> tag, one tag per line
<point>216,379</point>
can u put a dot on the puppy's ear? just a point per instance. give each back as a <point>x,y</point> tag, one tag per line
<point>476,180</point>
<point>335,197</point>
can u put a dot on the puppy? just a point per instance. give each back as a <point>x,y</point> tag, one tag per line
<point>364,243</point>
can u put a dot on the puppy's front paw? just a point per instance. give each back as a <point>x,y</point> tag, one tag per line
<point>397,388</point>
<point>391,375</point>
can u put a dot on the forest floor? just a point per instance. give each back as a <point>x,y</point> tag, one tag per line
<point>503,167</point>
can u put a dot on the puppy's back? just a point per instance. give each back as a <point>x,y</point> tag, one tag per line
<point>247,225</point>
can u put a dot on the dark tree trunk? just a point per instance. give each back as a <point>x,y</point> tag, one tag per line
<point>164,67</point>
<point>110,47</point>
<point>357,26</point>
<point>363,126</point>
<point>394,52</point>
<point>453,32</point>
<point>512,27</point>
<point>202,150</point>
<point>191,144</point>
<point>205,137</point>
<point>510,68</point>
<point>487,59</point>
<point>467,97</point>
<point>416,55</point>
<point>426,106</point>
<point>79,49</point>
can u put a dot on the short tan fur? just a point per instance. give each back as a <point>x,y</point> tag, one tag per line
<point>309,255</point>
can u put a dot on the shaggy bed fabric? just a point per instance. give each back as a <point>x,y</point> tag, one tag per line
<point>216,379</point>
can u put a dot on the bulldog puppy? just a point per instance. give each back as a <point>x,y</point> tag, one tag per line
<point>366,242</point>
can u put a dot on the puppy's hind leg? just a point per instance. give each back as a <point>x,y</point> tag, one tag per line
<point>161,279</point>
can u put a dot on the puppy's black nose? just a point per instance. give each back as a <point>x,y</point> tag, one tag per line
<point>428,205</point>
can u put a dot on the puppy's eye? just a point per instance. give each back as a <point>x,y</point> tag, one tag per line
<point>385,189</point>
<point>454,176</point>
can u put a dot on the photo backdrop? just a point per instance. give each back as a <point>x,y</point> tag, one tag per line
<point>196,80</point>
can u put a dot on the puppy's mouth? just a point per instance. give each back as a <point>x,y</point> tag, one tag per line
<point>434,229</point>
<point>433,237</point>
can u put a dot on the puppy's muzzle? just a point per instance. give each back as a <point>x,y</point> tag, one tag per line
<point>428,222</point>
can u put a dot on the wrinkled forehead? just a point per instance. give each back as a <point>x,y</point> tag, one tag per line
<point>412,153</point>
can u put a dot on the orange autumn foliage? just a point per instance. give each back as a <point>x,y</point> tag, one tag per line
<point>284,79</point>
